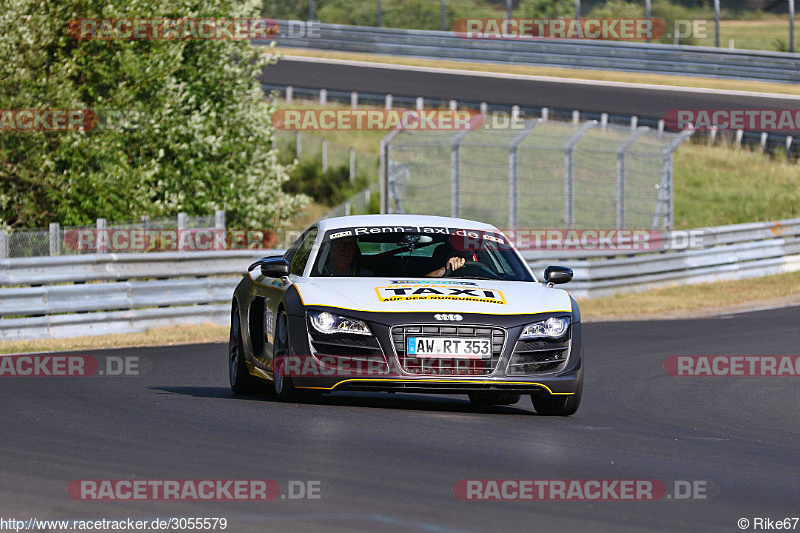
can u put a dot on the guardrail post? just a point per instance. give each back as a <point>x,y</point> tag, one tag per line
<point>484,108</point>
<point>4,252</point>
<point>183,224</point>
<point>102,236</point>
<point>576,116</point>
<point>453,105</point>
<point>352,164</point>
<point>545,114</point>
<point>420,103</point>
<point>289,94</point>
<point>634,122</point>
<point>514,114</point>
<point>630,141</point>
<point>455,173</point>
<point>763,141</point>
<point>789,149</point>
<point>389,101</point>
<point>55,238</point>
<point>513,174</point>
<point>569,174</point>
<point>323,97</point>
<point>604,121</point>
<point>219,219</point>
<point>713,134</point>
<point>739,135</point>
<point>354,99</point>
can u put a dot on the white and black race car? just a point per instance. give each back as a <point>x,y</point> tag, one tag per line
<point>407,303</point>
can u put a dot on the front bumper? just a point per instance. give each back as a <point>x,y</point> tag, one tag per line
<point>563,380</point>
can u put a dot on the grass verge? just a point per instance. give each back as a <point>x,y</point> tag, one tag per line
<point>170,336</point>
<point>703,299</point>
<point>583,74</point>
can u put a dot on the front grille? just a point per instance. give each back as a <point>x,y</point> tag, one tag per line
<point>538,356</point>
<point>451,367</point>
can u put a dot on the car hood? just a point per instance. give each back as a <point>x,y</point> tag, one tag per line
<point>392,295</point>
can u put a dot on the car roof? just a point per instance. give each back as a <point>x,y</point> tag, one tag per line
<point>402,220</point>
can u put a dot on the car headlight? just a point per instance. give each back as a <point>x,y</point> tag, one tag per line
<point>552,328</point>
<point>326,322</point>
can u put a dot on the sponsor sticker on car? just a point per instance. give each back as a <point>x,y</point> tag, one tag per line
<point>435,292</point>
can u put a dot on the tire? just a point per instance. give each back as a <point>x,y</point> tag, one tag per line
<point>284,387</point>
<point>241,380</point>
<point>559,405</point>
<point>494,398</point>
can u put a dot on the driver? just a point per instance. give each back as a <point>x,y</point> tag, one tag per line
<point>340,259</point>
<point>453,263</point>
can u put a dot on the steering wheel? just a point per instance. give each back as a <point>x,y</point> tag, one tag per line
<point>476,268</point>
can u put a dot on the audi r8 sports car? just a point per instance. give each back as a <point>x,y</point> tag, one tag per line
<point>407,303</point>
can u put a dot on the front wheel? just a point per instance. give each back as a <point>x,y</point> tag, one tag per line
<point>559,405</point>
<point>241,380</point>
<point>284,386</point>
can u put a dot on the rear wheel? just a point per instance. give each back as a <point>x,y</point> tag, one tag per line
<point>494,398</point>
<point>241,380</point>
<point>559,405</point>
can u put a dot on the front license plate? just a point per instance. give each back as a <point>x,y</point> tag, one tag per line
<point>450,347</point>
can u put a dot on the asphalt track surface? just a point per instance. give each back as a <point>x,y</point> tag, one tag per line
<point>642,102</point>
<point>389,462</point>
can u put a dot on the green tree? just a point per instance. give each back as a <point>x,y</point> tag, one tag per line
<point>540,9</point>
<point>202,139</point>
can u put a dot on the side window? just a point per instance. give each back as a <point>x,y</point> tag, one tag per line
<point>298,262</point>
<point>289,255</point>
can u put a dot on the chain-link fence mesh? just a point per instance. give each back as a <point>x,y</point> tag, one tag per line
<point>544,174</point>
<point>63,240</point>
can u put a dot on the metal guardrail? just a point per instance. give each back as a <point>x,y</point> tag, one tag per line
<point>49,297</point>
<point>623,56</point>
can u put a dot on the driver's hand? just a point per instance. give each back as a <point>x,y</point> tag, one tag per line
<point>454,263</point>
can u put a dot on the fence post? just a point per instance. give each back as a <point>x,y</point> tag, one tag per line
<point>219,219</point>
<point>298,145</point>
<point>183,223</point>
<point>513,174</point>
<point>455,173</point>
<point>716,23</point>
<point>791,25</point>
<point>102,236</point>
<point>630,141</point>
<point>386,143</point>
<point>324,155</point>
<point>4,248</point>
<point>352,164</point>
<point>379,15</point>
<point>647,15</point>
<point>666,185</point>
<point>569,175</point>
<point>55,238</point>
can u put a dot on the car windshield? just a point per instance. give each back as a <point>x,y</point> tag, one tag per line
<point>418,252</point>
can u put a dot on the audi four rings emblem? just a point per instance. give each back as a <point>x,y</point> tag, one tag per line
<point>456,318</point>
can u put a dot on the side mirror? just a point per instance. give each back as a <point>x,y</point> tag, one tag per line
<point>557,275</point>
<point>272,267</point>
